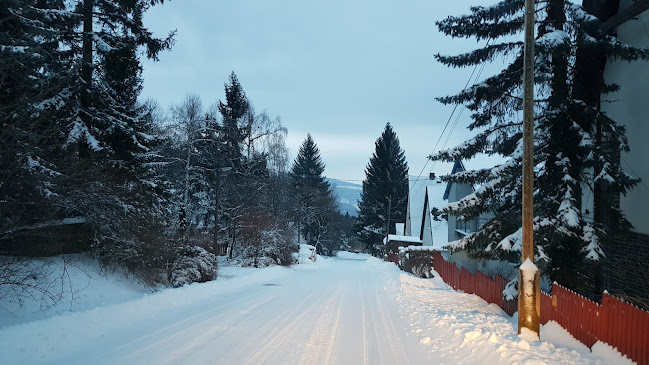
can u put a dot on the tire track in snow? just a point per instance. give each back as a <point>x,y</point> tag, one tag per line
<point>332,335</point>
<point>188,325</point>
<point>270,330</point>
<point>313,350</point>
<point>398,353</point>
<point>363,326</point>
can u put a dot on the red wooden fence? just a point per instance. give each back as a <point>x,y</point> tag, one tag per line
<point>392,257</point>
<point>614,322</point>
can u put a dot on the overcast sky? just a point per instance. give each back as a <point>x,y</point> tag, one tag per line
<point>338,69</point>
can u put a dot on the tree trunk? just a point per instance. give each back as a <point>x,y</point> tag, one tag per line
<point>86,70</point>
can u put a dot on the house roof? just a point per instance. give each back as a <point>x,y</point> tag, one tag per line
<point>434,199</point>
<point>458,166</point>
<point>416,197</point>
<point>399,238</point>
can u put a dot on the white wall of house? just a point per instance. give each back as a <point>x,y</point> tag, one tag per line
<point>457,192</point>
<point>630,107</point>
<point>408,225</point>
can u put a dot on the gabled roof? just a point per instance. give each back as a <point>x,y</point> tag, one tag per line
<point>433,199</point>
<point>416,199</point>
<point>458,166</point>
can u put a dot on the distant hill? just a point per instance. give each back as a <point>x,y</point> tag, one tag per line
<point>348,195</point>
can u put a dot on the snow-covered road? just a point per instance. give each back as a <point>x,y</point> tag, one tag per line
<point>338,314</point>
<point>352,309</point>
<point>340,311</point>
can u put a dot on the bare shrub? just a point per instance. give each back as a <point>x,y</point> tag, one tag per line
<point>38,280</point>
<point>421,271</point>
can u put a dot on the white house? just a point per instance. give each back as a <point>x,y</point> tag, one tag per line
<point>434,227</point>
<point>630,107</point>
<point>624,270</point>
<point>416,192</point>
<point>458,228</point>
<point>416,213</point>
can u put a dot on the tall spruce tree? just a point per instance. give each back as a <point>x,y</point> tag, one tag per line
<point>314,203</point>
<point>32,90</point>
<point>385,189</point>
<point>233,110</point>
<point>573,140</point>
<point>70,79</point>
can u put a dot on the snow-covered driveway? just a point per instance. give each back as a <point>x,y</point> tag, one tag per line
<point>353,309</point>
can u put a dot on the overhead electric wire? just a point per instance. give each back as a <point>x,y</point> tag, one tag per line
<point>448,122</point>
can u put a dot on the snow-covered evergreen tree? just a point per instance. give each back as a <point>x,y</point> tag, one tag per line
<point>573,140</point>
<point>74,132</point>
<point>33,91</point>
<point>233,110</point>
<point>314,202</point>
<point>385,187</point>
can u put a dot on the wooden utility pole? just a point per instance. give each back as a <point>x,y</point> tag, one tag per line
<point>529,292</point>
<point>387,225</point>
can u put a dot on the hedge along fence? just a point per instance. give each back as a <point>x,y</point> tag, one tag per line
<point>619,324</point>
<point>417,260</point>
<point>480,284</point>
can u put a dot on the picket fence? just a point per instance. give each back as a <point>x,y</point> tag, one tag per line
<point>614,322</point>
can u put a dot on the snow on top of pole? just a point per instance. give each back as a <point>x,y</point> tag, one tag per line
<point>528,267</point>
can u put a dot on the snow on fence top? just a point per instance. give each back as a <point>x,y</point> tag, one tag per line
<point>394,237</point>
<point>416,248</point>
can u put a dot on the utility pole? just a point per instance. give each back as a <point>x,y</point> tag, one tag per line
<point>529,291</point>
<point>387,226</point>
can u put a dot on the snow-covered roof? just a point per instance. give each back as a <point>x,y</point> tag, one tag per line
<point>417,248</point>
<point>400,238</point>
<point>416,199</point>
<point>439,228</point>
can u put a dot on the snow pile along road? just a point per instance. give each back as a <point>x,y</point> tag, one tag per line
<point>353,309</point>
<point>464,329</point>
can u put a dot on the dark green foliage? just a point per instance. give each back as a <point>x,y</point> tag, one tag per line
<point>573,140</point>
<point>235,107</point>
<point>385,186</point>
<point>314,204</point>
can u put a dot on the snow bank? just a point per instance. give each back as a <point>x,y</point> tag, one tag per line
<point>306,254</point>
<point>81,284</point>
<point>463,328</point>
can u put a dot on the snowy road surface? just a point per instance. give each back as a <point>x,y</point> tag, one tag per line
<point>348,310</point>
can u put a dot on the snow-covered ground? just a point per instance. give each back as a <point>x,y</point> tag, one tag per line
<point>353,309</point>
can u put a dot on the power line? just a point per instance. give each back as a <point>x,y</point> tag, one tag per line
<point>636,174</point>
<point>448,122</point>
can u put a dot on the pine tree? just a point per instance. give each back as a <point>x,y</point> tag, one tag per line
<point>314,203</point>
<point>31,95</point>
<point>385,188</point>
<point>72,78</point>
<point>573,139</point>
<point>233,110</point>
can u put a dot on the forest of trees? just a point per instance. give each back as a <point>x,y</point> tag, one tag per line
<point>88,167</point>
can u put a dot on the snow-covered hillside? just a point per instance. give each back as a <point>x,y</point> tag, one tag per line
<point>348,195</point>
